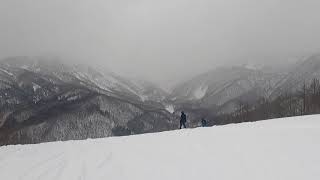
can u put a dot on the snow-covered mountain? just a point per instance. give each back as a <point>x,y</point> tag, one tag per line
<point>285,149</point>
<point>218,87</point>
<point>45,100</point>
<point>224,88</point>
<point>96,78</point>
<point>302,73</point>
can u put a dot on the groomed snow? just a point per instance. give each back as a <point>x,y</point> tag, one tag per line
<point>282,149</point>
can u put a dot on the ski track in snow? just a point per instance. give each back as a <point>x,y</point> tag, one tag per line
<point>283,149</point>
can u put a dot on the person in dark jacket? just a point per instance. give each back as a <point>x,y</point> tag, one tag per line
<point>183,120</point>
<point>204,122</point>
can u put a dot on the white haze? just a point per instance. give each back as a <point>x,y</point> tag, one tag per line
<point>165,40</point>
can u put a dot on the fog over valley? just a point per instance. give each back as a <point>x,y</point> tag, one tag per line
<point>166,41</point>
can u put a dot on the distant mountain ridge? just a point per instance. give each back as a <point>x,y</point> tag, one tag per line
<point>224,87</point>
<point>95,77</point>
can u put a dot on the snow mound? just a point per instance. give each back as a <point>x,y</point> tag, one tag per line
<point>277,149</point>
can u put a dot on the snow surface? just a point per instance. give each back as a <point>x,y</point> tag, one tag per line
<point>200,92</point>
<point>282,149</point>
<point>35,87</point>
<point>3,70</point>
<point>170,108</point>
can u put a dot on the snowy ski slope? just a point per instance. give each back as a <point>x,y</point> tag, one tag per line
<point>280,149</point>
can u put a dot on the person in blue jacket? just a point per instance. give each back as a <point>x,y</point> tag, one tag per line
<point>204,122</point>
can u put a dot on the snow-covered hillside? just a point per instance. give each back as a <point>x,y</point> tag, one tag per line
<point>225,87</point>
<point>286,149</point>
<point>45,100</point>
<point>221,85</point>
<point>93,77</point>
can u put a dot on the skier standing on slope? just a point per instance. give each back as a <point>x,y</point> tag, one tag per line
<point>183,120</point>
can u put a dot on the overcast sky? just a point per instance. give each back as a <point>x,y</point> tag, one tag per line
<point>161,40</point>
